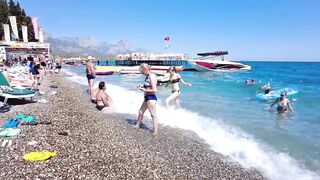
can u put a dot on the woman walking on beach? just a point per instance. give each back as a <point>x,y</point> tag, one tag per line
<point>103,99</point>
<point>91,75</point>
<point>174,80</point>
<point>150,99</point>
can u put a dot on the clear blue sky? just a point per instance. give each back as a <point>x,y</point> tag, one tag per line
<point>249,29</point>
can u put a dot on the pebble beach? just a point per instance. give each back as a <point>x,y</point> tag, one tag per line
<point>93,145</point>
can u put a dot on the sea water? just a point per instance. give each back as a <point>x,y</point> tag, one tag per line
<point>225,112</point>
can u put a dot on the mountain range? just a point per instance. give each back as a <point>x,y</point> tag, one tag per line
<point>84,46</point>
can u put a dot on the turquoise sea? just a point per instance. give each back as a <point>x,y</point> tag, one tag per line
<point>224,111</point>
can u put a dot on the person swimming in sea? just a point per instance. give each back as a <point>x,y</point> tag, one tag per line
<point>150,99</point>
<point>103,99</point>
<point>266,88</point>
<point>174,80</point>
<point>283,104</point>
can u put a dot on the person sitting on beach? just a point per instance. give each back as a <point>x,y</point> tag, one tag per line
<point>150,99</point>
<point>174,80</point>
<point>103,99</point>
<point>283,103</point>
<point>91,75</point>
<point>266,88</point>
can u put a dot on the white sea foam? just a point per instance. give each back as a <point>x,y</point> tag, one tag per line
<point>222,138</point>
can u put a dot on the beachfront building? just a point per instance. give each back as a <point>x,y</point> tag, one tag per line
<point>21,50</point>
<point>152,56</point>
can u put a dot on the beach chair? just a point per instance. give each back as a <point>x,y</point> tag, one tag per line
<point>14,92</point>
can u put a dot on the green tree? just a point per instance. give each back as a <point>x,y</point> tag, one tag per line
<point>14,9</point>
<point>31,37</point>
<point>3,16</point>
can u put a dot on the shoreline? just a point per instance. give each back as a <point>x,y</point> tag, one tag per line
<point>106,145</point>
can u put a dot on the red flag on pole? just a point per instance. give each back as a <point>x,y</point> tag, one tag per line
<point>167,38</point>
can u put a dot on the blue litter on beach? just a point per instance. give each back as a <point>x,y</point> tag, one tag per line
<point>10,124</point>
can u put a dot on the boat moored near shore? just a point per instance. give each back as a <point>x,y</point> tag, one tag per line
<point>209,62</point>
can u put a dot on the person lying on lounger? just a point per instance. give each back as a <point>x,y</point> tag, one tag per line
<point>27,81</point>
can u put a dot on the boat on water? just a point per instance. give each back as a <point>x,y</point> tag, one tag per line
<point>154,69</point>
<point>163,78</point>
<point>214,61</point>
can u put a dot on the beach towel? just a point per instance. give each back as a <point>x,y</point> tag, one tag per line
<point>25,118</point>
<point>28,119</point>
<point>8,132</point>
<point>20,116</point>
<point>38,156</point>
<point>12,123</point>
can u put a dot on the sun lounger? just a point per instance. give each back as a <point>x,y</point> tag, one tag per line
<point>14,92</point>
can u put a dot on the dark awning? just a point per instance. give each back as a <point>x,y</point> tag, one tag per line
<point>27,50</point>
<point>215,53</point>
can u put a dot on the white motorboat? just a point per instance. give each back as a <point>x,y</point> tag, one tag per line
<point>214,61</point>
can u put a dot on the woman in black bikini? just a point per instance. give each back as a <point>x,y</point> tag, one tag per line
<point>150,99</point>
<point>174,80</point>
<point>103,99</point>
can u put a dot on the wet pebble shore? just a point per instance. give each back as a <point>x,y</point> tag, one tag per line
<point>92,145</point>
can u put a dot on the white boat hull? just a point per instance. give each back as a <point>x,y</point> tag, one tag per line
<point>219,66</point>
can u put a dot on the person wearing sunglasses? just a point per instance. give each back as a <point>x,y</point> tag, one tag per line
<point>283,103</point>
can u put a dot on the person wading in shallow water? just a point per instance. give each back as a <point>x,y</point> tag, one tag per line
<point>150,99</point>
<point>91,75</point>
<point>283,104</point>
<point>174,80</point>
<point>266,88</point>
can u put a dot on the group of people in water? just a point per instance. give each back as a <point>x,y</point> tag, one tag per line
<point>283,104</point>
<point>149,88</point>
